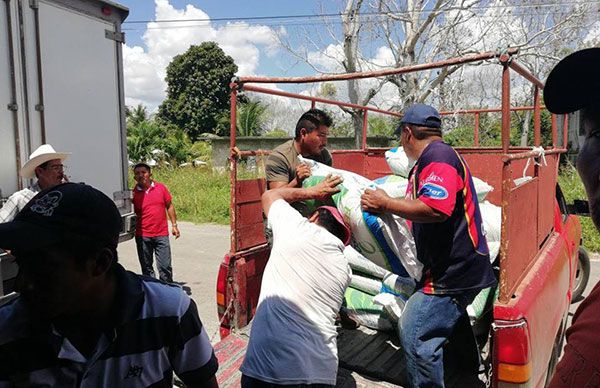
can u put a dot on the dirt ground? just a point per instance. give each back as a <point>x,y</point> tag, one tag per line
<point>196,257</point>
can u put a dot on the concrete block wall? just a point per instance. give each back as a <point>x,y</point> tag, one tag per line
<point>220,146</point>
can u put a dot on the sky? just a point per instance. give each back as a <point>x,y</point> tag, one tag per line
<point>253,45</point>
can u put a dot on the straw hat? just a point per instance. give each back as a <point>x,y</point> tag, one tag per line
<point>41,155</point>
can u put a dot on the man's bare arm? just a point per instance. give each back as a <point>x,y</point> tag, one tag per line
<point>173,217</point>
<point>302,172</point>
<point>322,190</point>
<point>377,201</point>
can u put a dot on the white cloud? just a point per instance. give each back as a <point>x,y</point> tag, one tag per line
<point>328,60</point>
<point>145,69</point>
<point>593,36</point>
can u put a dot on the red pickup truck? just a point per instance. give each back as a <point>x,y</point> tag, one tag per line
<point>520,336</point>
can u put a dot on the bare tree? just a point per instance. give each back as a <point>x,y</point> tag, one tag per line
<point>419,31</point>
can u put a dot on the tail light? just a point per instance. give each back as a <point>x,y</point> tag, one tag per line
<point>222,297</point>
<point>512,349</point>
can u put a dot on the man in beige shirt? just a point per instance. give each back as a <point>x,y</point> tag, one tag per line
<point>283,168</point>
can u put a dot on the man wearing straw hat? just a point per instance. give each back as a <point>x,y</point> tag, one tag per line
<point>46,165</point>
<point>574,85</point>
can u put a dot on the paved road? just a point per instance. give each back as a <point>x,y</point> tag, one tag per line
<point>196,258</point>
<point>594,278</point>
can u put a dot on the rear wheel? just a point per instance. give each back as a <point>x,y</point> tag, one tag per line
<point>582,275</point>
<point>556,352</point>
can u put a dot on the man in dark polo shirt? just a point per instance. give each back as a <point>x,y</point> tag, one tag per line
<point>81,320</point>
<point>442,209</point>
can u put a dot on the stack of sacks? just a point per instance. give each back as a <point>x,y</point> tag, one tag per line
<point>395,185</point>
<point>398,162</point>
<point>375,297</point>
<point>384,239</point>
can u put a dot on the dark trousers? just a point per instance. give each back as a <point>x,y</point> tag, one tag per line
<point>147,247</point>
<point>250,382</point>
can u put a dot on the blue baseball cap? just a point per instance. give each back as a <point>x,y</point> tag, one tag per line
<point>422,115</point>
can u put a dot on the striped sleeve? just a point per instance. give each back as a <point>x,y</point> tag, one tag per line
<point>9,210</point>
<point>192,356</point>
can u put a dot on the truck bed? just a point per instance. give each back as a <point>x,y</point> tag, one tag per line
<point>368,358</point>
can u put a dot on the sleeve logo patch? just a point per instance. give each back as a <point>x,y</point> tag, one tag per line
<point>433,191</point>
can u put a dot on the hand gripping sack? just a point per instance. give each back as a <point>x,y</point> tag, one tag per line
<point>384,239</point>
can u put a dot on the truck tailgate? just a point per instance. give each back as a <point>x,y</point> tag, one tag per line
<point>368,358</point>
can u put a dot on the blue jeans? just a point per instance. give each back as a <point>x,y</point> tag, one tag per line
<point>425,325</point>
<point>147,247</point>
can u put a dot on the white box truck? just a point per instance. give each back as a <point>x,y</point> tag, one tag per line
<point>61,82</point>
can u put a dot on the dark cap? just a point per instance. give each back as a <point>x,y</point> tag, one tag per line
<point>69,212</point>
<point>573,82</point>
<point>422,115</point>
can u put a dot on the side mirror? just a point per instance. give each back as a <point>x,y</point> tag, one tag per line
<point>579,207</point>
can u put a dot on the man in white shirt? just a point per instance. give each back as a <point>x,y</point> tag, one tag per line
<point>293,338</point>
<point>46,165</point>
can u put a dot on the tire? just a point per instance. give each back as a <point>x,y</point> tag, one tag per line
<point>556,352</point>
<point>582,276</point>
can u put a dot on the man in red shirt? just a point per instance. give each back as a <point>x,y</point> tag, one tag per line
<point>152,202</point>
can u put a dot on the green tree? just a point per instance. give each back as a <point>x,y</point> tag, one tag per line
<point>198,89</point>
<point>251,117</point>
<point>136,115</point>
<point>380,126</point>
<point>176,145</point>
<point>277,132</point>
<point>142,139</point>
<point>147,136</point>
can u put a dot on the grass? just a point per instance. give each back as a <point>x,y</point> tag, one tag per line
<point>572,188</point>
<point>201,195</point>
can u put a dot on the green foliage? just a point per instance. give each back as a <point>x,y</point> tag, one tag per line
<point>328,90</point>
<point>199,194</point>
<point>198,90</point>
<point>223,127</point>
<point>149,139</point>
<point>142,139</point>
<point>201,150</point>
<point>251,116</point>
<point>136,115</point>
<point>490,130</point>
<point>460,137</point>
<point>572,188</point>
<point>276,133</point>
<point>381,126</point>
<point>341,128</point>
<point>176,145</point>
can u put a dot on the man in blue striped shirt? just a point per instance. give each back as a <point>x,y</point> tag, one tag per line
<point>81,319</point>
